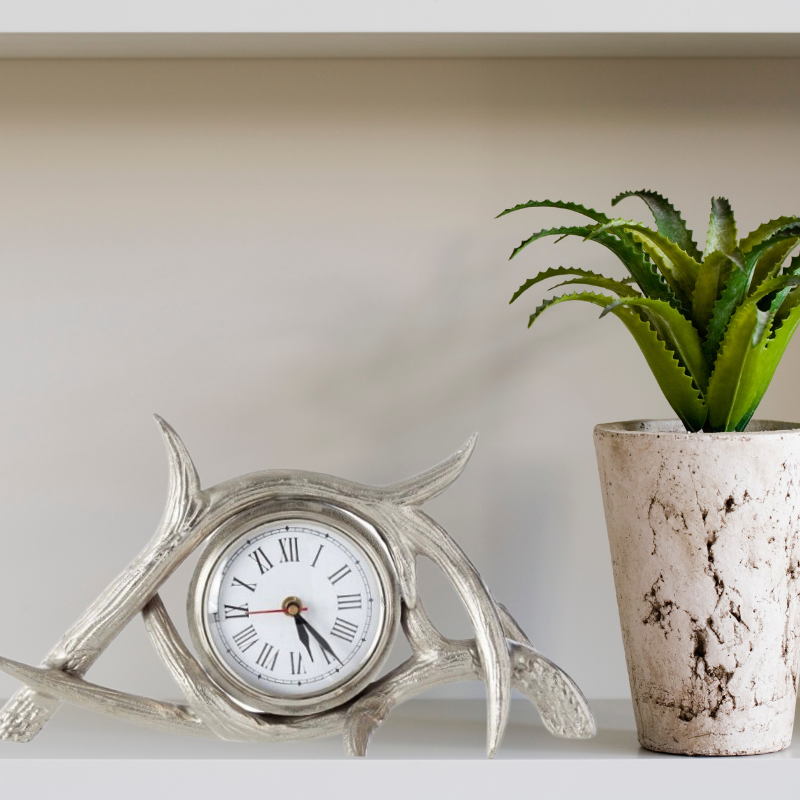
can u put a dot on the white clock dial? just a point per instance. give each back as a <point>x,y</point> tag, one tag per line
<point>294,608</point>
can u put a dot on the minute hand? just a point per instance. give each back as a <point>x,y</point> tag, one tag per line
<point>320,639</point>
<point>302,634</point>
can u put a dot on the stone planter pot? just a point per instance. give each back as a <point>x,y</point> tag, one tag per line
<point>704,530</point>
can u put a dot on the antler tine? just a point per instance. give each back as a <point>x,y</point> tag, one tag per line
<point>227,719</point>
<point>421,488</point>
<point>28,712</point>
<point>414,676</point>
<point>207,701</point>
<point>421,632</point>
<point>133,708</point>
<point>432,541</point>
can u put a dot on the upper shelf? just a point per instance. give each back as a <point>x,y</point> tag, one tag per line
<point>412,28</point>
<point>398,45</point>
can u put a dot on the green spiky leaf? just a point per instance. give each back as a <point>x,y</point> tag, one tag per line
<point>736,289</point>
<point>561,232</point>
<point>674,279</point>
<point>599,282</point>
<point>668,220</point>
<point>721,227</point>
<point>764,231</point>
<point>776,285</point>
<point>586,277</point>
<point>731,314</point>
<point>677,332</point>
<point>714,272</point>
<point>772,260</point>
<point>683,267</point>
<point>625,249</point>
<point>782,305</point>
<point>597,216</point>
<point>672,378</point>
<point>768,362</point>
<point>733,384</point>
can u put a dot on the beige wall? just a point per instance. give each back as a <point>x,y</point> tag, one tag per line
<point>296,263</point>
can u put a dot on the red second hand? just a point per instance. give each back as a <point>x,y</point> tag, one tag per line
<point>277,611</point>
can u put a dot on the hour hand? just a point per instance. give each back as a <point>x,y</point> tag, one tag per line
<point>302,633</point>
<point>326,648</point>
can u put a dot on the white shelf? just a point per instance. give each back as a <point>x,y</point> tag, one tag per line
<point>413,28</point>
<point>393,16</point>
<point>426,747</point>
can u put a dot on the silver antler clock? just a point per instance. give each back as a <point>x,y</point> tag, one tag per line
<point>293,608</point>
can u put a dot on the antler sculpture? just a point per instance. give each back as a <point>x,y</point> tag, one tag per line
<point>500,654</point>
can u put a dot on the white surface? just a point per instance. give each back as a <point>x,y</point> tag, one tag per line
<point>296,264</point>
<point>427,748</point>
<point>350,16</point>
<point>414,28</point>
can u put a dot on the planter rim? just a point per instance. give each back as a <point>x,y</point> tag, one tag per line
<point>673,428</point>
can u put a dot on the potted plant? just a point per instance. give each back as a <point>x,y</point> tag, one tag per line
<point>702,512</point>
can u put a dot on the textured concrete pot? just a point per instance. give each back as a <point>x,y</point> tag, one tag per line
<point>704,535</point>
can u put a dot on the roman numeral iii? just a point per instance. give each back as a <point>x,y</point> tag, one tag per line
<point>347,601</point>
<point>344,630</point>
<point>289,549</point>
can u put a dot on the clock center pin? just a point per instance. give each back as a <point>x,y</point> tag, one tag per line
<point>292,606</point>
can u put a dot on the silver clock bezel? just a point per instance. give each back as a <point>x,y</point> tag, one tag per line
<point>224,539</point>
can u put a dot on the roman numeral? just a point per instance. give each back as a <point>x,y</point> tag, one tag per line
<point>264,564</point>
<point>250,586</point>
<point>246,638</point>
<point>347,601</point>
<point>296,661</point>
<point>344,630</point>
<point>316,557</point>
<point>289,549</point>
<point>232,612</point>
<point>340,573</point>
<point>268,654</point>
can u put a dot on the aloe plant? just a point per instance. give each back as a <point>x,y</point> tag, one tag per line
<point>713,325</point>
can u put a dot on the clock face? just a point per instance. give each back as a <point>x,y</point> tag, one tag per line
<point>293,609</point>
